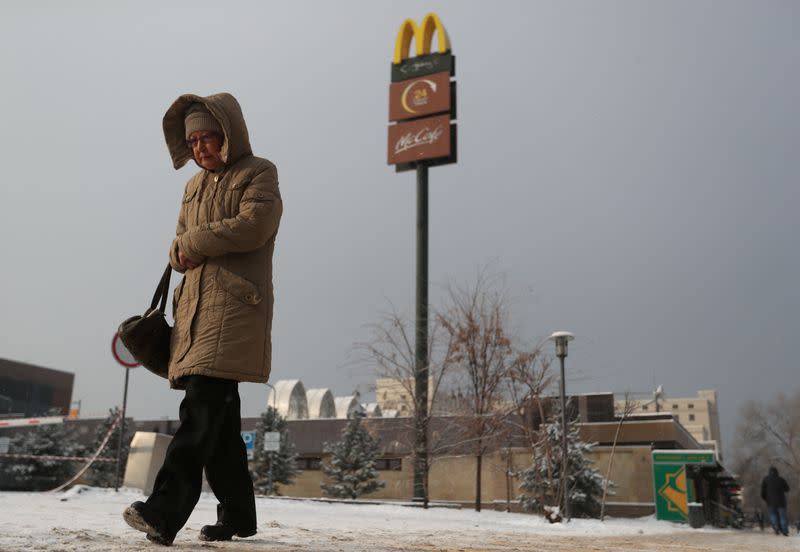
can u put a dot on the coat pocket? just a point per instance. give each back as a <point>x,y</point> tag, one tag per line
<point>188,196</point>
<point>236,184</point>
<point>244,290</point>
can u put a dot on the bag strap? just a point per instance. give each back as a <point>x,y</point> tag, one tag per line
<point>162,290</point>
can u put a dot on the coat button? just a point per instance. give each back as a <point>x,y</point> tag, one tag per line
<point>216,179</point>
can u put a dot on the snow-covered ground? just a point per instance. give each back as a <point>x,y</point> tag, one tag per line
<point>89,520</point>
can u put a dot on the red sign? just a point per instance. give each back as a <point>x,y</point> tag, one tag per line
<point>419,97</point>
<point>420,139</point>
<point>122,354</point>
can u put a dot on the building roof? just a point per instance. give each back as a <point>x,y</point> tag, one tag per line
<point>320,404</point>
<point>661,431</point>
<point>373,410</point>
<point>289,399</point>
<point>346,406</point>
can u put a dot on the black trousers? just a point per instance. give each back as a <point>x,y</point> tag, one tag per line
<point>209,436</point>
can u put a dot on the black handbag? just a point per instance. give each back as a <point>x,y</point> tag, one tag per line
<point>147,336</point>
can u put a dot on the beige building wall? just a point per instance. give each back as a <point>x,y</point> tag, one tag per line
<point>631,472</point>
<point>399,484</point>
<point>699,415</point>
<point>452,478</point>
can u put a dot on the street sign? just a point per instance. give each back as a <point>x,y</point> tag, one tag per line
<point>272,441</point>
<point>249,438</point>
<point>122,354</point>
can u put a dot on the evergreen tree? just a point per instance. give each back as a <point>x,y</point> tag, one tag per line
<point>542,480</point>
<point>104,474</point>
<point>352,464</point>
<point>284,461</point>
<point>29,474</point>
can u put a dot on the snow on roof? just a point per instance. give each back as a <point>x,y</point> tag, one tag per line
<point>346,406</point>
<point>320,404</point>
<point>289,399</point>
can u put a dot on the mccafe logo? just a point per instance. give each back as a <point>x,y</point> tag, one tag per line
<point>423,137</point>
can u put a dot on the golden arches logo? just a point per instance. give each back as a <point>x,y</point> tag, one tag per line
<point>422,35</point>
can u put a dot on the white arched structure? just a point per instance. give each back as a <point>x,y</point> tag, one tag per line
<point>347,406</point>
<point>320,403</point>
<point>289,399</point>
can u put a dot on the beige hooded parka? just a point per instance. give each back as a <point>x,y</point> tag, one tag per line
<point>228,221</point>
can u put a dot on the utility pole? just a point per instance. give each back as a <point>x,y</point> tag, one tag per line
<point>421,341</point>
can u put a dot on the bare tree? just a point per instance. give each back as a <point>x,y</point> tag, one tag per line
<point>628,408</point>
<point>528,378</point>
<point>768,434</point>
<point>391,350</point>
<point>481,354</point>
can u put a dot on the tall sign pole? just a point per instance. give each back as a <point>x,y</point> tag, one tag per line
<point>125,358</point>
<point>422,134</point>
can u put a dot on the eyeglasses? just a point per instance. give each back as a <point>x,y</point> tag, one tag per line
<point>205,138</point>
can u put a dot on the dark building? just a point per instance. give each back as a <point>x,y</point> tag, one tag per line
<point>27,390</point>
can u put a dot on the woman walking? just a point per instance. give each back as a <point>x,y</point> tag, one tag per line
<point>228,221</point>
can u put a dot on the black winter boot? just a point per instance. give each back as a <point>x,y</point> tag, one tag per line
<point>221,532</point>
<point>143,518</point>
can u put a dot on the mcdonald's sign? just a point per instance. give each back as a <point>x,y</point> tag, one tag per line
<point>422,99</point>
<point>424,63</point>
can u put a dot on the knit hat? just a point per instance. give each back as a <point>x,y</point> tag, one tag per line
<point>198,118</point>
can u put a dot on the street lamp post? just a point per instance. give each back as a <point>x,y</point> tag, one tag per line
<point>561,339</point>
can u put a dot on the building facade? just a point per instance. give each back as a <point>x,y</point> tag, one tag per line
<point>27,390</point>
<point>699,415</point>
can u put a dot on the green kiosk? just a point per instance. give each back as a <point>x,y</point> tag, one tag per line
<point>673,490</point>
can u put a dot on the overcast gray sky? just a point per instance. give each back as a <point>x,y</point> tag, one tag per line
<point>631,166</point>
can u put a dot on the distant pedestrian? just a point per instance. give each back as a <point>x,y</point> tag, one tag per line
<point>760,519</point>
<point>227,224</point>
<point>773,491</point>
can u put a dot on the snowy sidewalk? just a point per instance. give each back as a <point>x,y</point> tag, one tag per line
<point>89,520</point>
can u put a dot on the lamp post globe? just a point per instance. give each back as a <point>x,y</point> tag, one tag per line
<point>561,340</point>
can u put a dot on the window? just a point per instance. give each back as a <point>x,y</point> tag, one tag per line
<point>691,417</point>
<point>389,464</point>
<point>309,463</point>
<point>691,405</point>
<point>674,407</point>
<point>644,407</point>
